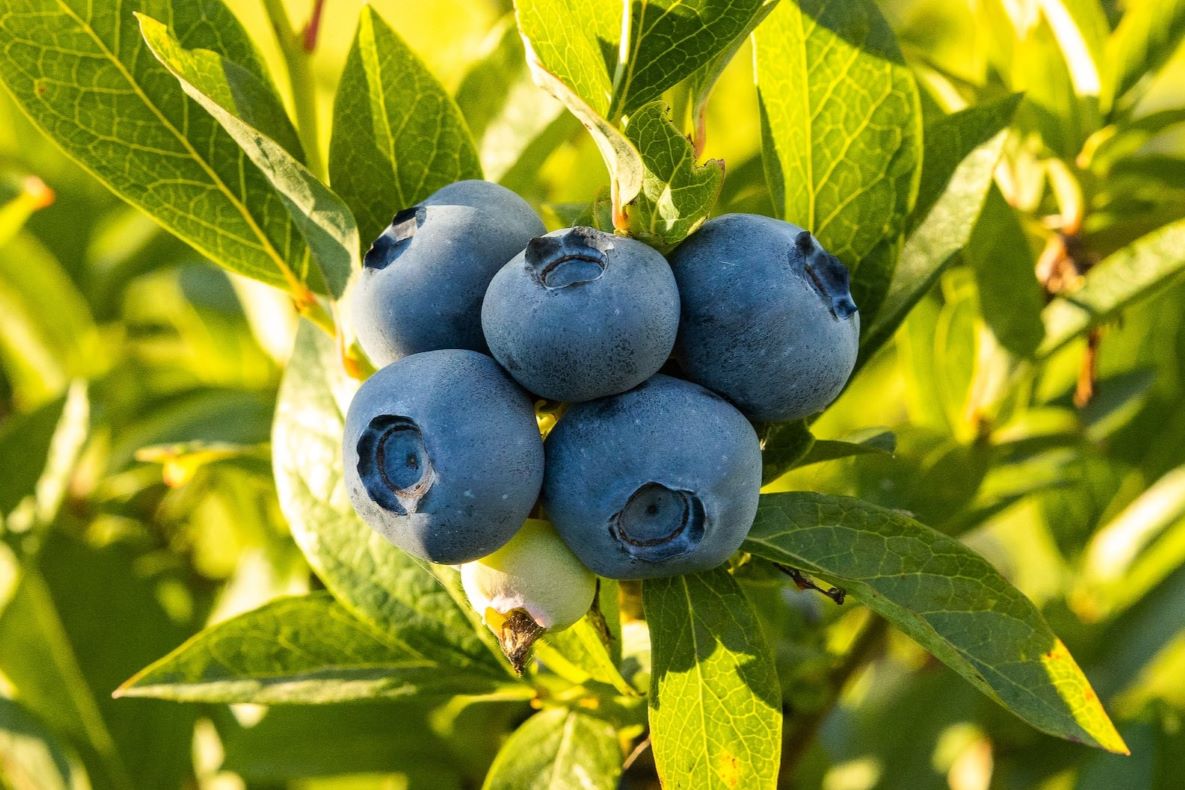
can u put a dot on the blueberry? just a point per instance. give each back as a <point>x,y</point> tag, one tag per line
<point>657,481</point>
<point>768,319</point>
<point>443,455</point>
<point>536,573</point>
<point>582,314</point>
<point>423,279</point>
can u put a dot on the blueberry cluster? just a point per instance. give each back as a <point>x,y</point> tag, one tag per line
<point>476,312</point>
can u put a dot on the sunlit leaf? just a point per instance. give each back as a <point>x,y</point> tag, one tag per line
<point>572,51</point>
<point>703,80</point>
<point>515,124</point>
<point>397,134</point>
<point>32,756</point>
<point>1118,281</point>
<point>252,114</point>
<point>946,597</point>
<point>84,75</point>
<point>715,707</point>
<point>558,748</point>
<point>302,650</point>
<point>671,39</point>
<point>960,153</point>
<point>677,194</point>
<point>1146,37</point>
<point>841,133</point>
<point>580,654</point>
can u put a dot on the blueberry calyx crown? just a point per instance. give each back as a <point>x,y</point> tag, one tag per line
<point>658,523</point>
<point>394,239</point>
<point>578,256</point>
<point>827,275</point>
<point>393,463</point>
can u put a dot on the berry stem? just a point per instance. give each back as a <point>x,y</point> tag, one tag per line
<point>297,48</point>
<point>313,27</point>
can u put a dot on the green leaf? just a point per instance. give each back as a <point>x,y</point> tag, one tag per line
<point>576,42</point>
<point>945,596</point>
<point>1134,551</point>
<point>960,155</point>
<point>1118,281</point>
<point>47,333</point>
<point>31,755</point>
<point>397,134</point>
<point>302,741</point>
<point>58,647</point>
<point>1010,298</point>
<point>703,80</point>
<point>26,437</point>
<point>950,141</point>
<point>579,654</point>
<point>1080,28</point>
<point>82,73</point>
<point>308,649</point>
<point>873,442</point>
<point>1115,143</point>
<point>672,39</point>
<point>572,50</point>
<point>515,124</point>
<point>377,582</point>
<point>677,194</point>
<point>715,701</point>
<point>252,114</point>
<point>1147,35</point>
<point>558,748</point>
<point>1161,176</point>
<point>841,133</point>
<point>48,443</point>
<point>244,103</point>
<point>783,445</point>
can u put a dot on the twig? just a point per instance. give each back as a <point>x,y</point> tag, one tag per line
<point>1063,263</point>
<point>1088,374</point>
<point>638,751</point>
<point>300,76</point>
<point>836,594</point>
<point>313,26</point>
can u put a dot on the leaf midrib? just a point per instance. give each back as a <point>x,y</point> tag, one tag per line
<point>265,243</point>
<point>699,665</point>
<point>919,619</point>
<point>565,739</point>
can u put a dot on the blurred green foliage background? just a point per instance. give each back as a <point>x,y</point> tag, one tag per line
<point>137,383</point>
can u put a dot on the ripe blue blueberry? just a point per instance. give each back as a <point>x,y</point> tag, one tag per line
<point>657,481</point>
<point>582,314</point>
<point>423,279</point>
<point>768,319</point>
<point>443,455</point>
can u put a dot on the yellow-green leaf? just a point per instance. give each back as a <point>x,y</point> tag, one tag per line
<point>945,596</point>
<point>715,702</point>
